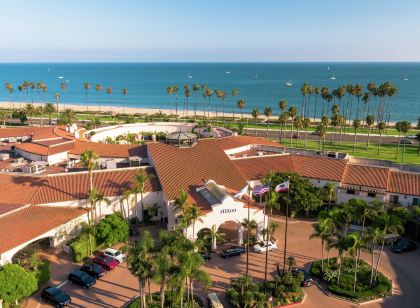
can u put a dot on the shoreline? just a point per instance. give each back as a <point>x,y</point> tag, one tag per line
<point>133,110</point>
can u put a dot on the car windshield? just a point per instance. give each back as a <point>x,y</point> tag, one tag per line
<point>117,253</point>
<point>54,291</point>
<point>108,259</point>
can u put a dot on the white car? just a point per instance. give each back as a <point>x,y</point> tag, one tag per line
<point>115,254</point>
<point>263,246</point>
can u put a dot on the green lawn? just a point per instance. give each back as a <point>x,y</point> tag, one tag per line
<point>387,151</point>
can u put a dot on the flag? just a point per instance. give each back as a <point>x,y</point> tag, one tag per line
<point>282,187</point>
<point>259,190</point>
<point>243,191</point>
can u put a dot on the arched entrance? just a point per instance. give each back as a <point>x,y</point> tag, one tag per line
<point>26,253</point>
<point>232,231</point>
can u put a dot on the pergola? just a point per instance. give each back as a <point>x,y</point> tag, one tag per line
<point>181,139</point>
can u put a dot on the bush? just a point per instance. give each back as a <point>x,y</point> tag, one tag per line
<point>16,283</point>
<point>42,273</point>
<point>80,247</point>
<point>113,229</point>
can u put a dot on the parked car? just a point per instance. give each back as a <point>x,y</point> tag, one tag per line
<point>81,278</point>
<point>232,251</point>
<point>93,269</point>
<point>412,136</point>
<point>263,246</point>
<point>406,141</point>
<point>403,245</point>
<point>205,256</point>
<point>214,301</point>
<point>295,136</point>
<point>307,279</point>
<point>55,296</point>
<point>116,254</point>
<point>106,262</point>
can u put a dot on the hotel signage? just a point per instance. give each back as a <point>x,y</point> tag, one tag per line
<point>227,211</point>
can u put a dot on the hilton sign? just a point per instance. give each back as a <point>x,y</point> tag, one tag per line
<point>226,211</point>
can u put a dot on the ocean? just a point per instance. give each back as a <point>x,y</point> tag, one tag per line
<point>146,82</point>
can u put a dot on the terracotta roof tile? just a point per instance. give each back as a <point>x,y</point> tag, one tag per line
<point>110,150</point>
<point>239,141</point>
<point>406,183</point>
<point>183,168</point>
<point>319,167</point>
<point>28,223</point>
<point>37,133</point>
<point>17,191</point>
<point>367,176</point>
<point>41,149</point>
<point>73,186</point>
<point>256,168</point>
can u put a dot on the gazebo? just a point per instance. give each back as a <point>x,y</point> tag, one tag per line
<point>181,139</point>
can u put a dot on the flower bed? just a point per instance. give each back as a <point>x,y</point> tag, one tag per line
<point>364,292</point>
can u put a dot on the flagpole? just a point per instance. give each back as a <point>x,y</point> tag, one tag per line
<point>285,230</point>
<point>248,227</point>
<point>267,233</point>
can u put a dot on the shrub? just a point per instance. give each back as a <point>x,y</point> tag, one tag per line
<point>16,283</point>
<point>113,229</point>
<point>80,247</point>
<point>42,272</point>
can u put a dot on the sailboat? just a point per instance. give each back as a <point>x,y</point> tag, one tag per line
<point>332,77</point>
<point>189,76</point>
<point>227,72</point>
<point>256,76</point>
<point>405,77</point>
<point>60,77</point>
<point>289,83</point>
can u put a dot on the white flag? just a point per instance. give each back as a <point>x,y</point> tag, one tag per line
<point>282,187</point>
<point>242,192</point>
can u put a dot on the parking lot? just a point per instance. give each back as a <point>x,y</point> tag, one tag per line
<point>119,286</point>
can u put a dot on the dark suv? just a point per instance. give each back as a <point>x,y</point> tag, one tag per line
<point>81,278</point>
<point>55,296</point>
<point>403,246</point>
<point>232,251</point>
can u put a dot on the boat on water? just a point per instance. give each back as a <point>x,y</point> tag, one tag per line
<point>256,76</point>
<point>289,83</point>
<point>60,77</point>
<point>189,76</point>
<point>227,72</point>
<point>405,77</point>
<point>332,77</point>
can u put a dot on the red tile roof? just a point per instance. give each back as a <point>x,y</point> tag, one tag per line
<point>26,224</point>
<point>110,150</point>
<point>255,168</point>
<point>17,191</point>
<point>41,149</point>
<point>37,133</point>
<point>239,141</point>
<point>74,186</point>
<point>330,169</point>
<point>406,183</point>
<point>185,168</point>
<point>367,176</point>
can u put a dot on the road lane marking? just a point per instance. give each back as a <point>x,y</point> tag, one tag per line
<point>62,284</point>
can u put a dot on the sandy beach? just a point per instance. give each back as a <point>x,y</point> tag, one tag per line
<point>133,110</point>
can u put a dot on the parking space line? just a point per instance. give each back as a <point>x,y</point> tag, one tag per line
<point>62,284</point>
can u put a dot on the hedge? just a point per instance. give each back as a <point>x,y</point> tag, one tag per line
<point>80,247</point>
<point>42,273</point>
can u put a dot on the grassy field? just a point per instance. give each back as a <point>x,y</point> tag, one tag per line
<point>387,151</point>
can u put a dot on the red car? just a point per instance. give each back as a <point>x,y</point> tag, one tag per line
<point>107,263</point>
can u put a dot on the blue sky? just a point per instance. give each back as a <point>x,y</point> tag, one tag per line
<point>216,30</point>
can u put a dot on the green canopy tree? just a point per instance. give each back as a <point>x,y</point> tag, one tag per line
<point>255,115</point>
<point>16,283</point>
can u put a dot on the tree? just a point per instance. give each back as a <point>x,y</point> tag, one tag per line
<point>49,109</point>
<point>356,126</point>
<point>321,131</point>
<point>418,140</point>
<point>213,235</point>
<point>328,193</point>
<point>124,92</point>
<point>16,283</point>
<point>381,127</point>
<point>305,124</point>
<point>255,115</point>
<point>187,93</point>
<point>29,111</point>
<point>341,243</point>
<point>96,198</point>
<point>283,118</point>
<point>140,180</point>
<point>86,86</point>
<point>113,229</point>
<point>370,120</point>
<point>317,91</point>
<point>268,112</point>
<point>57,99</point>
<point>68,117</point>
<point>322,232</point>
<point>181,203</point>
<point>241,104</point>
<point>162,264</point>
<point>4,115</point>
<point>235,93</point>
<point>194,214</point>
<point>415,215</point>
<point>249,224</point>
<point>292,115</point>
<point>175,90</point>
<point>195,88</point>
<point>39,112</point>
<point>290,261</point>
<point>402,127</point>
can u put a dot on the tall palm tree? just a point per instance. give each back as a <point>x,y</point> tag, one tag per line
<point>298,124</point>
<point>20,89</point>
<point>327,192</point>
<point>341,243</point>
<point>96,198</point>
<point>194,214</point>
<point>366,100</point>
<point>98,88</point>
<point>108,91</point>
<point>305,91</point>
<point>30,111</point>
<point>39,112</point>
<point>381,127</point>
<point>316,91</point>
<point>169,91</point>
<point>402,127</point>
<point>235,93</point>
<point>187,93</point>
<point>358,92</point>
<point>283,118</point>
<point>268,112</point>
<point>181,203</point>
<point>354,246</point>
<point>249,224</point>
<point>255,115</point>
<point>370,120</point>
<point>306,122</point>
<point>214,235</point>
<point>140,180</point>
<point>4,115</point>
<point>49,109</point>
<point>162,264</point>
<point>86,86</point>
<point>241,104</point>
<point>292,115</point>
<point>356,126</point>
<point>175,90</point>
<point>209,93</point>
<point>57,99</point>
<point>32,87</point>
<point>223,95</point>
<point>124,92</point>
<point>9,88</point>
<point>195,88</point>
<point>325,92</point>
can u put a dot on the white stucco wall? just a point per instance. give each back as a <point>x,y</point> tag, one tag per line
<point>404,200</point>
<point>343,196</point>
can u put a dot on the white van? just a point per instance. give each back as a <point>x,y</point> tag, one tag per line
<point>214,301</point>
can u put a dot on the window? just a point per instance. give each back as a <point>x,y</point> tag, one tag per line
<point>416,201</point>
<point>351,192</point>
<point>394,198</point>
<point>372,194</point>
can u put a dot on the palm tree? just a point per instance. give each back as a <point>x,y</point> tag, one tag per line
<point>39,112</point>
<point>9,88</point>
<point>321,231</point>
<point>268,112</point>
<point>169,91</point>
<point>20,89</point>
<point>223,95</point>
<point>4,115</point>
<point>68,116</point>
<point>292,115</point>
<point>327,192</point>
<point>124,92</point>
<point>402,127</point>
<point>57,98</point>
<point>249,224</point>
<point>175,90</point>
<point>381,127</point>
<point>181,204</point>
<point>290,262</point>
<point>241,104</point>
<point>366,99</point>
<point>321,131</point>
<point>63,87</point>
<point>96,198</point>
<point>162,264</point>
<point>354,247</point>
<point>341,243</point>
<point>49,109</point>
<point>325,92</point>
<point>209,93</point>
<point>418,141</point>
<point>187,93</point>
<point>32,87</point>
<point>214,235</point>
<point>415,215</point>
<point>305,91</point>
<point>316,91</point>
<point>298,124</point>
<point>283,118</point>
<point>255,115</point>
<point>140,180</point>
<point>235,93</point>
<point>30,110</point>
<point>108,91</point>
<point>356,126</point>
<point>194,214</point>
<point>98,88</point>
<point>306,122</point>
<point>370,120</point>
<point>195,88</point>
<point>86,85</point>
